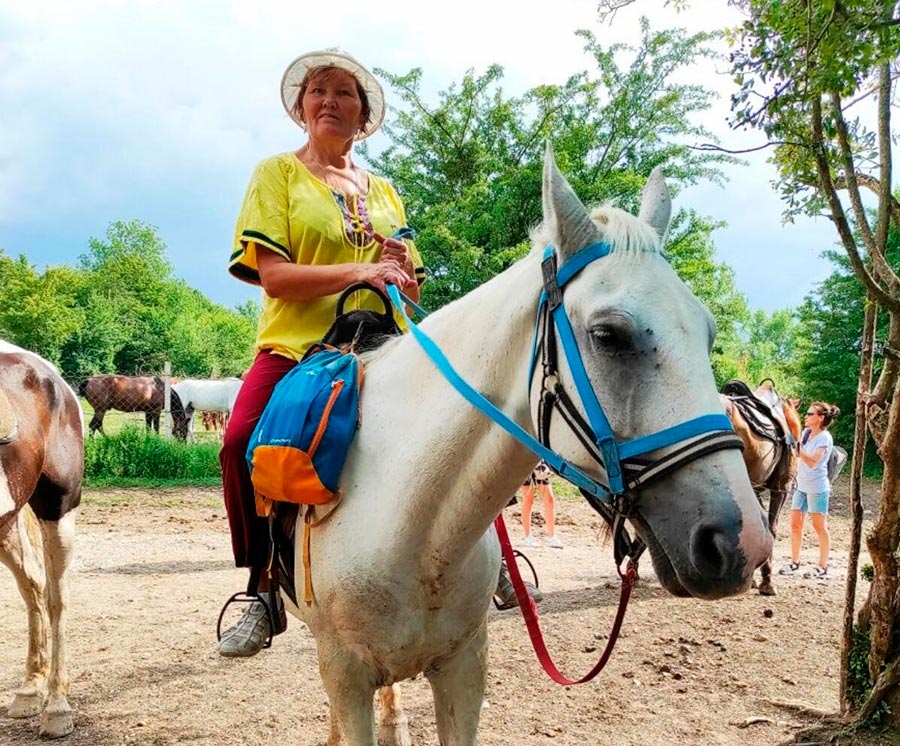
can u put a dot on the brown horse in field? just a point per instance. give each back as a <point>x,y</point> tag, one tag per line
<point>41,468</point>
<point>125,393</point>
<point>770,434</point>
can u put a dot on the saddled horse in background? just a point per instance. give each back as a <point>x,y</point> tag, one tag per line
<point>201,395</point>
<point>769,426</point>
<point>41,469</point>
<point>403,571</point>
<point>125,393</point>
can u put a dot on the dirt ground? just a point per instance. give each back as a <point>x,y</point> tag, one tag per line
<point>153,569</point>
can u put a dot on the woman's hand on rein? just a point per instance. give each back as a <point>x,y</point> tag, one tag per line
<point>395,250</point>
<point>386,272</point>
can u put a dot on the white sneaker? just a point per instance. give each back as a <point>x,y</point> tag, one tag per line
<point>249,635</point>
<point>553,542</point>
<point>817,573</point>
<point>529,542</point>
<point>790,568</point>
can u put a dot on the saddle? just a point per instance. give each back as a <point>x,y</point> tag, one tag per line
<point>363,330</point>
<point>763,409</point>
<point>356,331</point>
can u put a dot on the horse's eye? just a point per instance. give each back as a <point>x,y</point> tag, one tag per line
<point>611,339</point>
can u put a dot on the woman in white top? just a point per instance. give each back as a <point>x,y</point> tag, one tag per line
<point>813,488</point>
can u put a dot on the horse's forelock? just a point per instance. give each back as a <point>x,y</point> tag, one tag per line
<point>626,234</point>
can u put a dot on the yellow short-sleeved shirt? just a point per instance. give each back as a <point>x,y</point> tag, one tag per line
<point>298,216</point>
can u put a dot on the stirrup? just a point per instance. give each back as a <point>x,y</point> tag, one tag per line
<point>499,604</point>
<point>271,602</point>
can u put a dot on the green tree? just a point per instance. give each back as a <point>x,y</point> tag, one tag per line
<point>121,311</point>
<point>37,311</point>
<point>805,72</point>
<point>469,167</point>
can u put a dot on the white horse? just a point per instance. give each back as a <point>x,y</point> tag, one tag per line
<point>200,395</point>
<point>41,468</point>
<point>404,570</point>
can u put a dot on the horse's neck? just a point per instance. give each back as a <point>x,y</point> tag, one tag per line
<point>466,468</point>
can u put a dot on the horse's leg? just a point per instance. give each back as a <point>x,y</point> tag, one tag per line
<point>335,734</point>
<point>776,500</point>
<point>20,552</point>
<point>458,687</point>
<point>349,685</point>
<point>96,424</point>
<point>151,420</point>
<point>59,537</point>
<point>393,726</point>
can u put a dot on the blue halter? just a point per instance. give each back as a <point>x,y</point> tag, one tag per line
<point>707,433</point>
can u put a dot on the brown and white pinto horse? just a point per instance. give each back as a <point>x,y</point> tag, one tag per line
<point>770,459</point>
<point>41,468</point>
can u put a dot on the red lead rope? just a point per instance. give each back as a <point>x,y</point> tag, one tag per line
<point>529,612</point>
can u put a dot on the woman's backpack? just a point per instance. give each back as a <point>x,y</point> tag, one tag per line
<point>299,446</point>
<point>836,459</point>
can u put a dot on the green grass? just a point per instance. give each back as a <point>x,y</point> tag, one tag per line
<point>136,457</point>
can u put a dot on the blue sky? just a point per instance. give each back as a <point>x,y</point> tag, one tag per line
<point>158,111</point>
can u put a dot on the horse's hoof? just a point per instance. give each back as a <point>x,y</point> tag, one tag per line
<point>56,724</point>
<point>395,733</point>
<point>26,705</point>
<point>767,589</point>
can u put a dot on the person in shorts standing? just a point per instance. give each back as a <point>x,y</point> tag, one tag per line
<point>813,488</point>
<point>539,482</point>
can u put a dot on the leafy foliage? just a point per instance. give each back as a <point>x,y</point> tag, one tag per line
<point>136,454</point>
<point>804,70</point>
<point>858,682</point>
<point>121,311</point>
<point>469,167</point>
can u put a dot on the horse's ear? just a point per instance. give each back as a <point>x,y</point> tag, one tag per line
<point>566,219</point>
<point>656,205</point>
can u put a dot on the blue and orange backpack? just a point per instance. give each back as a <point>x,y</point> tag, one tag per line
<point>299,446</point>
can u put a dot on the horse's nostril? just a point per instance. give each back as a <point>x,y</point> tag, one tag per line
<point>712,551</point>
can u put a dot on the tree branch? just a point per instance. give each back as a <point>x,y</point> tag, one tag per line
<point>867,181</point>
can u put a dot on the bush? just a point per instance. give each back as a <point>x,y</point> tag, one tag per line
<point>134,454</point>
<point>858,682</point>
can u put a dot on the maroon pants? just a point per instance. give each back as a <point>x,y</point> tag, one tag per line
<point>249,532</point>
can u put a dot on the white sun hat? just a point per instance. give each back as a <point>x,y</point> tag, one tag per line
<point>298,69</point>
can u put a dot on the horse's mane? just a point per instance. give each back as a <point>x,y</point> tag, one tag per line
<point>372,355</point>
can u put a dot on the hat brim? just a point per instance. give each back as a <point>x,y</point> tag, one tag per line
<point>298,69</point>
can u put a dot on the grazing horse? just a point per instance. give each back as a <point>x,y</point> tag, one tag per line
<point>769,454</point>
<point>214,421</point>
<point>197,395</point>
<point>41,468</point>
<point>403,571</point>
<point>125,393</point>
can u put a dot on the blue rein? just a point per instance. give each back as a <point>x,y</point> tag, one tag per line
<point>614,455</point>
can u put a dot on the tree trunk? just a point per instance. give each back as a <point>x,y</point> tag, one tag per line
<point>882,543</point>
<point>863,388</point>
